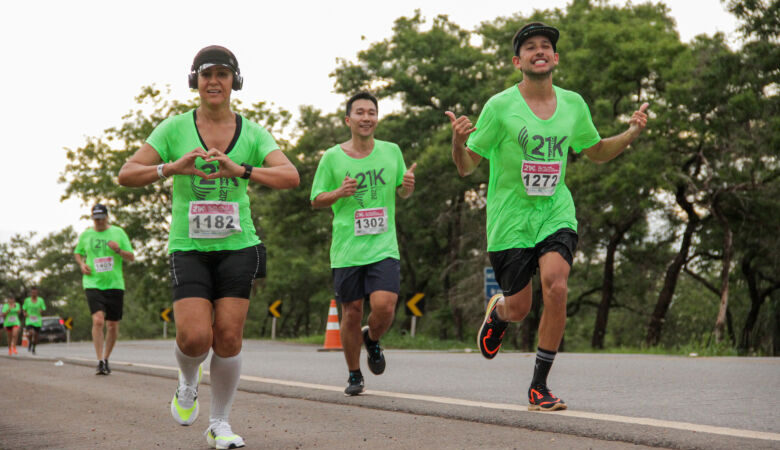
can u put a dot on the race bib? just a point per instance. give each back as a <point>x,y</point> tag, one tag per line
<point>104,264</point>
<point>32,319</point>
<point>370,221</point>
<point>541,178</point>
<point>211,219</point>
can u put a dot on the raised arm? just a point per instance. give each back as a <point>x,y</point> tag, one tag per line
<point>609,148</point>
<point>277,172</point>
<point>145,167</point>
<point>465,160</point>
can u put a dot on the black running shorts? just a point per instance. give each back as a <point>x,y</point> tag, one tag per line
<point>218,274</point>
<point>110,301</point>
<point>354,283</point>
<point>514,267</point>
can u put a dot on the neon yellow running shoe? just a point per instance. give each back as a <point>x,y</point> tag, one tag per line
<point>221,436</point>
<point>184,406</point>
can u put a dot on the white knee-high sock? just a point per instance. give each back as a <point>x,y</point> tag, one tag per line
<point>224,374</point>
<point>188,365</point>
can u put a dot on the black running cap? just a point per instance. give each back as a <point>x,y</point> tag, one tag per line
<point>534,29</point>
<point>99,211</point>
<point>214,55</point>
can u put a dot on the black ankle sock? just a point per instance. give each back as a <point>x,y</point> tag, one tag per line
<point>369,341</point>
<point>544,361</point>
<point>356,373</point>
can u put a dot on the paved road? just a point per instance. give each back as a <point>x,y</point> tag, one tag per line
<point>67,407</point>
<point>651,395</point>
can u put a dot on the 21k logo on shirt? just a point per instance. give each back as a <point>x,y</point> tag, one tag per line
<point>367,183</point>
<point>545,148</point>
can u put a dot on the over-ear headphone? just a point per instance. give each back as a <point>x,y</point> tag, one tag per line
<point>216,55</point>
<point>238,80</point>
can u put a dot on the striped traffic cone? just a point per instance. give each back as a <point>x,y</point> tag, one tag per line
<point>25,338</point>
<point>332,331</point>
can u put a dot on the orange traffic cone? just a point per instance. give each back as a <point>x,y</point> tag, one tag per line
<point>332,331</point>
<point>25,338</point>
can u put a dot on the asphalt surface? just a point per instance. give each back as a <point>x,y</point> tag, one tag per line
<point>660,401</point>
<point>68,407</point>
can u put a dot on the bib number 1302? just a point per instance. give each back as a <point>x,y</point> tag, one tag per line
<point>370,221</point>
<point>213,219</point>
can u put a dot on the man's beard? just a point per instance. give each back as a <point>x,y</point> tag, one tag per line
<point>535,76</point>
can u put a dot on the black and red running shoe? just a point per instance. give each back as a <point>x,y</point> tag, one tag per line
<point>541,399</point>
<point>492,331</point>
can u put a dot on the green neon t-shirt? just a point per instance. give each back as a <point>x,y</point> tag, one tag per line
<point>11,315</point>
<point>210,215</point>
<point>363,224</point>
<point>33,310</point>
<point>104,263</point>
<point>527,197</point>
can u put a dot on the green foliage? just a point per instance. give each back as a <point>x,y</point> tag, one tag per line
<point>712,143</point>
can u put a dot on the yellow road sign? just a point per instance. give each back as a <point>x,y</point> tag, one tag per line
<point>165,314</point>
<point>275,309</point>
<point>412,304</point>
<point>68,323</point>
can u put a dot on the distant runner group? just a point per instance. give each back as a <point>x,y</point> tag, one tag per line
<point>212,154</point>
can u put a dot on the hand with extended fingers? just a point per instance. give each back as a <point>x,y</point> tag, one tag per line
<point>227,167</point>
<point>186,164</point>
<point>461,129</point>
<point>348,187</point>
<point>638,120</point>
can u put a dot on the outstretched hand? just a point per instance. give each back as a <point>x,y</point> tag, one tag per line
<point>638,120</point>
<point>461,128</point>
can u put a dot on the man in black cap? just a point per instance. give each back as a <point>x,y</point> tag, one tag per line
<point>99,253</point>
<point>526,132</point>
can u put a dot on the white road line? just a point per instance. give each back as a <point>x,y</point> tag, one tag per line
<point>506,406</point>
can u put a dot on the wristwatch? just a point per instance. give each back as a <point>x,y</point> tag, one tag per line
<point>247,171</point>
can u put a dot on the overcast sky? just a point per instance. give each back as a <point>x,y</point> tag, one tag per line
<point>72,69</point>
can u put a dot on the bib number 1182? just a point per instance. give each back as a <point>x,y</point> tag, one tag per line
<point>213,219</point>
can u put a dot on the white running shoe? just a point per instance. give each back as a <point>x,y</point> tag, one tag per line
<point>221,436</point>
<point>184,406</point>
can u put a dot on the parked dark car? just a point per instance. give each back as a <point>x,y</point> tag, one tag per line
<point>52,329</point>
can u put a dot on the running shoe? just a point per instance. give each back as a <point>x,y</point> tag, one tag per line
<point>219,435</point>
<point>541,399</point>
<point>492,331</point>
<point>105,364</point>
<point>101,368</point>
<point>10,352</point>
<point>184,405</point>
<point>376,359</point>
<point>356,385</point>
<point>16,352</point>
